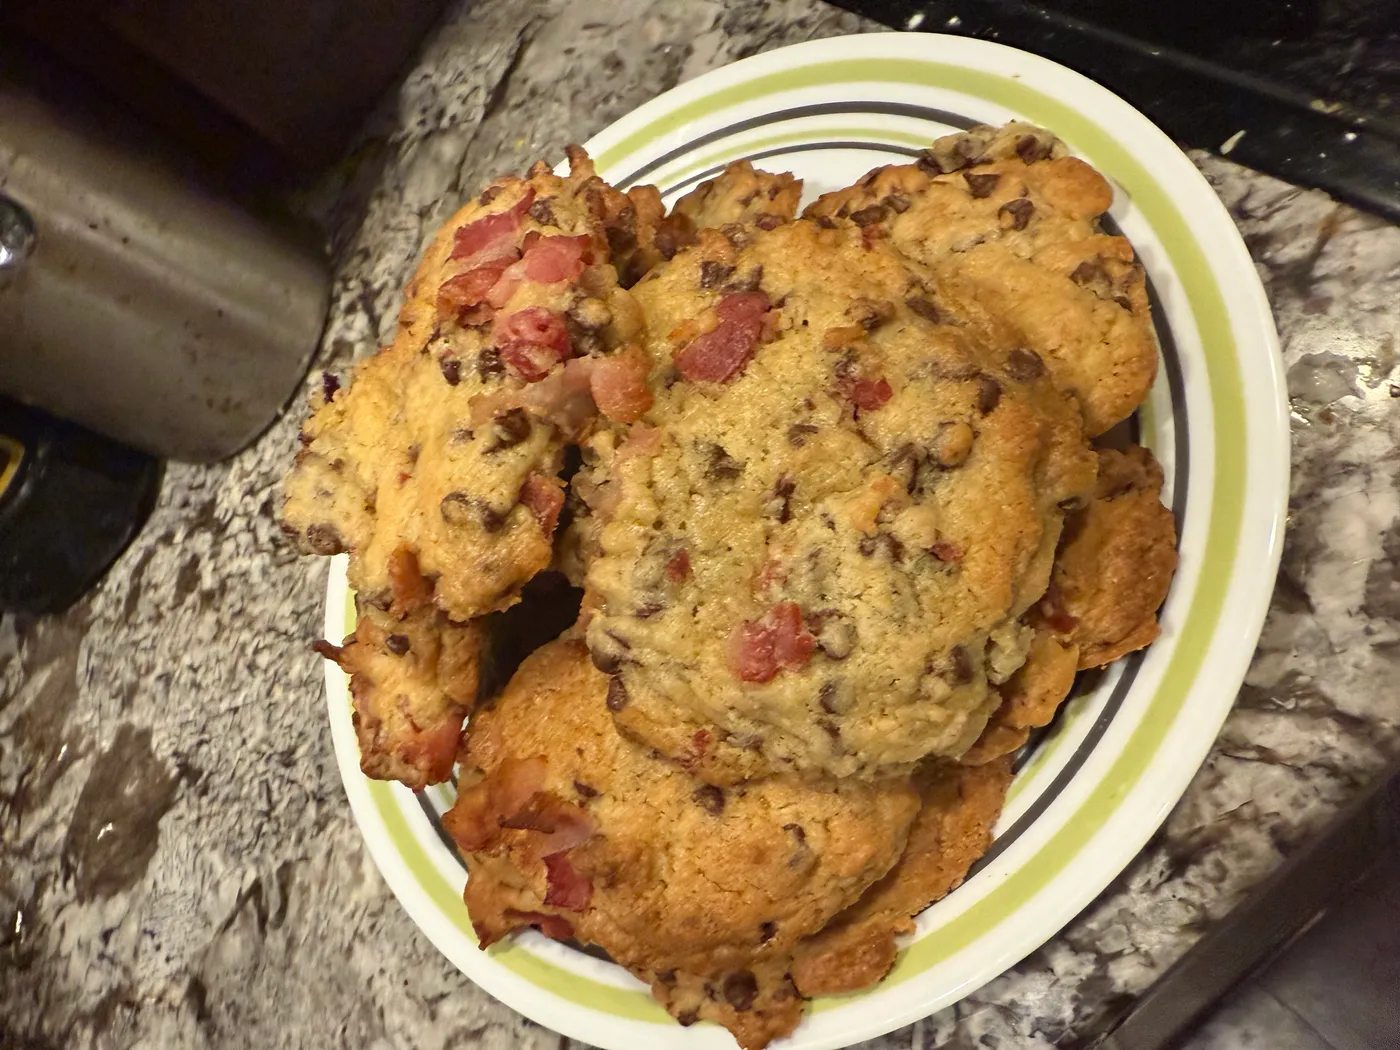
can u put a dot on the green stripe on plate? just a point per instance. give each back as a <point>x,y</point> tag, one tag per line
<point>1198,623</point>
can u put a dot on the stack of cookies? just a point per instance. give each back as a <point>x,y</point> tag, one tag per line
<point>845,506</point>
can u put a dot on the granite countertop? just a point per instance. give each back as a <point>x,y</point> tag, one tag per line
<point>178,864</point>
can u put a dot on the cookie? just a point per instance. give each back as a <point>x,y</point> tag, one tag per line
<point>953,829</point>
<point>1029,698</point>
<point>1009,224</point>
<point>741,194</point>
<point>702,892</point>
<point>437,467</point>
<point>1116,562</point>
<point>412,681</point>
<point>813,550</point>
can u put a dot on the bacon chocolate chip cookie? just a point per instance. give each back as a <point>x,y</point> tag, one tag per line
<point>816,545</point>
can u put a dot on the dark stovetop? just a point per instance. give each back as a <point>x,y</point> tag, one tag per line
<point>1314,85</point>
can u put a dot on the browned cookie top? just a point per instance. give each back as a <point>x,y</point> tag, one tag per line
<point>1010,225</point>
<point>816,544</point>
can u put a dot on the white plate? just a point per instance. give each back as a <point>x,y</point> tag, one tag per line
<point>1120,756</point>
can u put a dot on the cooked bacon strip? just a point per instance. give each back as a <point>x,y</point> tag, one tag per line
<point>553,259</point>
<point>566,887</point>
<point>466,290</point>
<point>619,386</point>
<point>555,927</point>
<point>532,341</point>
<point>640,441</point>
<point>492,238</point>
<point>869,394</point>
<point>474,821</point>
<point>758,648</point>
<point>545,498</point>
<point>720,354</point>
<point>678,568</point>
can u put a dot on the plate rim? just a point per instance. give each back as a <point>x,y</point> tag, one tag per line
<point>1268,417</point>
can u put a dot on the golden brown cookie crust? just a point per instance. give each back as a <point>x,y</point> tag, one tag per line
<point>682,876</point>
<point>954,828</point>
<point>742,194</point>
<point>413,679</point>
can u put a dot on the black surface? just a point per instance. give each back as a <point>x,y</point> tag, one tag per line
<point>77,502</point>
<point>1312,84</point>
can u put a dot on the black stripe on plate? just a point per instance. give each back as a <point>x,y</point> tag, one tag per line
<point>889,109</point>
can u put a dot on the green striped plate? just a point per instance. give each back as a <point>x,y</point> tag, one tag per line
<point>1088,796</point>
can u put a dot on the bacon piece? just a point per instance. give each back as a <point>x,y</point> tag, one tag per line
<point>869,394</point>
<point>562,398</point>
<point>640,441</point>
<point>555,927</point>
<point>561,825</point>
<point>678,568</point>
<point>553,259</point>
<point>566,887</point>
<point>512,277</point>
<point>467,290</point>
<point>474,821</point>
<point>531,342</point>
<point>619,386</point>
<point>491,238</point>
<point>407,584</point>
<point>758,648</point>
<point>432,750</point>
<point>945,551</point>
<point>545,498</point>
<point>719,355</point>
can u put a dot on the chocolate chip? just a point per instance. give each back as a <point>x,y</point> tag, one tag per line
<point>736,235</point>
<point>768,222</point>
<point>608,663</point>
<point>924,308</point>
<point>870,314</point>
<point>617,695</point>
<point>767,931</point>
<point>723,466</point>
<point>826,222</point>
<point>982,185</point>
<point>621,240</point>
<point>868,545</point>
<point>797,433</point>
<point>458,508</point>
<point>713,274</point>
<point>1024,365</point>
<point>490,193</point>
<point>747,283</point>
<point>1014,215</point>
<point>740,990</point>
<point>988,393</point>
<point>542,211</point>
<point>868,216</point>
<point>1031,148</point>
<point>779,503</point>
<point>666,977</point>
<point>710,799</point>
<point>797,832</point>
<point>897,203</point>
<point>488,363</point>
<point>931,165</point>
<point>962,665</point>
<point>1088,272</point>
<point>451,370</point>
<point>584,790</point>
<point>509,429</point>
<point>324,539</point>
<point>397,644</point>
<point>1124,302</point>
<point>686,1018</point>
<point>868,179</point>
<point>830,728</point>
<point>330,383</point>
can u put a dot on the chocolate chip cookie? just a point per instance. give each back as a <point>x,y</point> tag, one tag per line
<point>703,892</point>
<point>1009,223</point>
<point>813,550</point>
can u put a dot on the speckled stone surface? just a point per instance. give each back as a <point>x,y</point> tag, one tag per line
<point>178,866</point>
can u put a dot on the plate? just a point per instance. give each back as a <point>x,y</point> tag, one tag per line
<point>1087,798</point>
